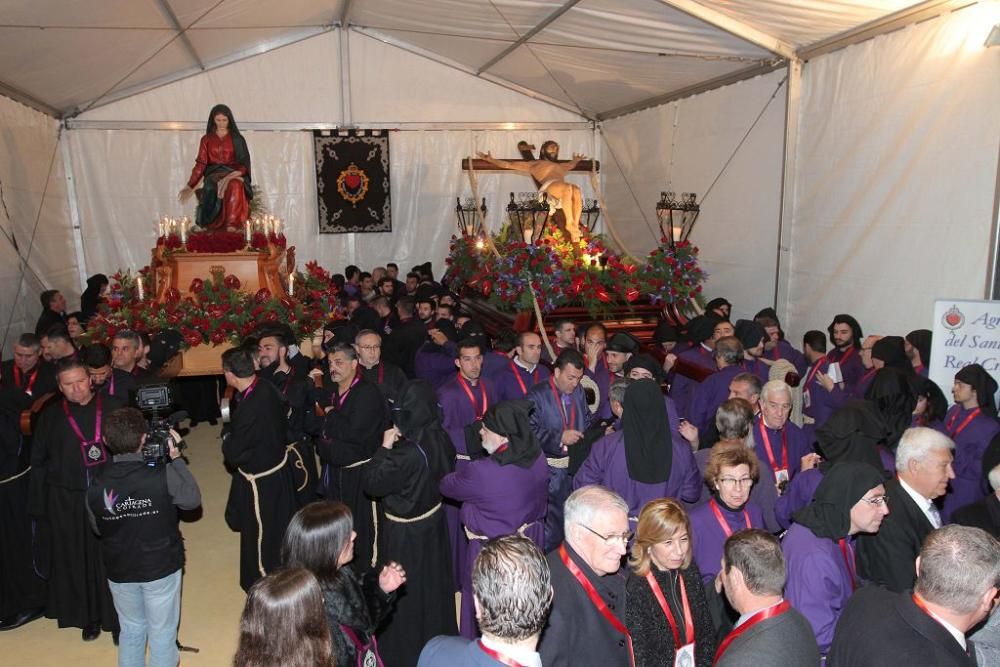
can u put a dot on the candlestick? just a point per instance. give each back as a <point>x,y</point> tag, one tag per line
<point>184,236</point>
<point>247,232</point>
<point>291,284</point>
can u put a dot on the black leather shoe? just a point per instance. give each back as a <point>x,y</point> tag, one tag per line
<point>91,632</point>
<point>23,618</point>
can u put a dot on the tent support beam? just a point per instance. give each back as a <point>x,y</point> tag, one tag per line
<point>278,126</point>
<point>346,116</point>
<point>920,12</point>
<point>697,89</point>
<point>734,27</point>
<point>992,290</point>
<point>544,23</point>
<point>783,251</point>
<point>168,13</point>
<point>27,100</point>
<point>430,55</point>
<point>345,14</point>
<point>74,209</point>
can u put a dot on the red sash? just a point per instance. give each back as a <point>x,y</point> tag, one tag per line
<point>688,622</point>
<point>762,615</point>
<point>847,355</point>
<point>341,399</point>
<point>767,446</point>
<point>520,380</point>
<point>722,520</point>
<point>815,369</point>
<point>965,422</point>
<point>571,420</point>
<point>31,379</point>
<point>849,561</point>
<point>472,399</point>
<point>596,600</point>
<point>499,657</point>
<point>253,385</point>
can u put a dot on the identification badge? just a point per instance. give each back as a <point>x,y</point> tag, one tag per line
<point>806,399</point>
<point>371,661</point>
<point>93,454</point>
<point>781,475</point>
<point>684,656</point>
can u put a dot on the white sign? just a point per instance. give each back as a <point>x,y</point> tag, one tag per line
<point>965,332</point>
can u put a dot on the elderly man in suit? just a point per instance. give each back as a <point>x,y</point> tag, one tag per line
<point>585,626</point>
<point>957,574</point>
<point>923,470</point>
<point>769,631</point>
<point>512,590</point>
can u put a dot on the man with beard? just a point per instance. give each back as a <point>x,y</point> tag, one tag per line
<point>105,379</point>
<point>68,453</point>
<point>352,433</point>
<point>776,347</point>
<point>58,344</point>
<point>389,378</point>
<point>524,370</point>
<point>845,334</point>
<point>549,175</point>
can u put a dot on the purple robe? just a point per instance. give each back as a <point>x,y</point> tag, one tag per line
<point>817,402</point>
<point>969,485</point>
<point>603,377</point>
<point>708,537</point>
<point>435,363</point>
<point>784,350</point>
<point>861,387</point>
<point>850,364</point>
<point>683,386</point>
<point>507,384</point>
<point>798,446</point>
<point>758,368</point>
<point>819,583</point>
<point>709,395</point>
<point>496,500</point>
<point>494,362</point>
<point>607,466</point>
<point>799,493</point>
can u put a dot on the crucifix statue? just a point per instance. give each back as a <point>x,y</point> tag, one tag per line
<point>549,174</point>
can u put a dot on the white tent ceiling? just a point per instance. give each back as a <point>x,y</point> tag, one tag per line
<point>598,58</point>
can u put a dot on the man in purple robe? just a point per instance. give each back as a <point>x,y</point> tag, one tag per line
<point>643,461</point>
<point>701,333</point>
<point>819,547</point>
<point>435,359</point>
<point>821,396</point>
<point>596,364</point>
<point>523,371</point>
<point>752,337</point>
<point>845,335</point>
<point>463,400</point>
<point>710,394</point>
<point>558,421</point>
<point>917,346</point>
<point>776,347</point>
<point>971,423</point>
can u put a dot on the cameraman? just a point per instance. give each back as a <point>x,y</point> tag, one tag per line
<point>132,507</point>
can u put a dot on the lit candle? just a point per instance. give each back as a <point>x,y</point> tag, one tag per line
<point>677,234</point>
<point>247,231</point>
<point>184,236</point>
<point>277,225</point>
<point>527,235</point>
<point>138,288</point>
<point>291,284</point>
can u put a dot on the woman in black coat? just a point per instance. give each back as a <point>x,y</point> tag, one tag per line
<point>666,609</point>
<point>320,538</point>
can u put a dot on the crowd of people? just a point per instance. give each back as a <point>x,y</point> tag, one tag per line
<point>717,497</point>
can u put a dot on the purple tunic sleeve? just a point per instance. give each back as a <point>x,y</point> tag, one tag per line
<point>594,468</point>
<point>798,494</point>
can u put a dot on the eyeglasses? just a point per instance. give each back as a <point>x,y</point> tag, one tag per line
<point>731,482</point>
<point>370,347</point>
<point>877,501</point>
<point>610,540</point>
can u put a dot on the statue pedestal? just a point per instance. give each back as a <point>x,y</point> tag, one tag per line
<point>207,359</point>
<point>254,269</point>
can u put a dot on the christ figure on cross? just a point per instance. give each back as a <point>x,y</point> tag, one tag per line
<point>550,174</point>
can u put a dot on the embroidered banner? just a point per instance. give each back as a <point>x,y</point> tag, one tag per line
<point>352,183</point>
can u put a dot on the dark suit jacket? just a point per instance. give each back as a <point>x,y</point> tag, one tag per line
<point>577,634</point>
<point>887,558</point>
<point>46,320</point>
<point>879,627</point>
<point>454,652</point>
<point>984,514</point>
<point>786,640</point>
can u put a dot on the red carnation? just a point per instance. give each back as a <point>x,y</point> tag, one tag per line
<point>287,302</point>
<point>631,294</point>
<point>192,338</point>
<point>218,337</point>
<point>232,282</point>
<point>172,295</point>
<point>262,295</point>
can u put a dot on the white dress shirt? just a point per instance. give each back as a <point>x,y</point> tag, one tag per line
<point>926,505</point>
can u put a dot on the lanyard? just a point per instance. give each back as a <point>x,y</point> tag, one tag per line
<point>847,355</point>
<point>499,657</point>
<point>341,399</point>
<point>288,380</point>
<point>688,622</point>
<point>965,422</point>
<point>31,379</point>
<point>767,446</point>
<point>381,373</point>
<point>596,600</point>
<point>253,385</point>
<point>761,615</point>
<point>472,399</point>
<point>848,554</point>
<point>567,422</point>
<point>520,380</point>
<point>722,521</point>
<point>92,450</point>
<point>815,369</point>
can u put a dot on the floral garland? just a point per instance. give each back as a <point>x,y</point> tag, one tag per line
<point>672,274</point>
<point>215,311</point>
<point>221,241</point>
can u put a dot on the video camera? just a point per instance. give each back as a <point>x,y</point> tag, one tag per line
<point>154,400</point>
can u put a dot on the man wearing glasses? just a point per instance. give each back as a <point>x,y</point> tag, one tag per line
<point>585,626</point>
<point>389,378</point>
<point>923,470</point>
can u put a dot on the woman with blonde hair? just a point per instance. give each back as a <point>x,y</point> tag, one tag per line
<point>666,611</point>
<point>284,624</point>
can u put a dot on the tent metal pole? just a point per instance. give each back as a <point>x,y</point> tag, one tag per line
<point>279,126</point>
<point>346,116</point>
<point>734,27</point>
<point>992,290</point>
<point>540,26</point>
<point>74,209</point>
<point>786,218</point>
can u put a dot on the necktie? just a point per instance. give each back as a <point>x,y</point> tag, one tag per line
<point>935,515</point>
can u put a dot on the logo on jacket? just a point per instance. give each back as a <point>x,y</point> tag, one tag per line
<point>109,501</point>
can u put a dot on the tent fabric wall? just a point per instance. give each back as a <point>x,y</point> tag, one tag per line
<point>687,143</point>
<point>895,177</point>
<point>34,189</point>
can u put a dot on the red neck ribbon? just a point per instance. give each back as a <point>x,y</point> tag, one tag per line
<point>595,599</point>
<point>761,615</point>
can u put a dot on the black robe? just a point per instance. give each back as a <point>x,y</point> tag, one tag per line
<point>401,346</point>
<point>352,433</point>
<point>388,377</point>
<point>255,444</point>
<point>304,427</point>
<point>68,552</point>
<point>121,385</point>
<point>406,480</point>
<point>43,383</point>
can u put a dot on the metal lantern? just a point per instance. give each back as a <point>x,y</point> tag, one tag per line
<point>528,215</point>
<point>470,219</point>
<point>677,217</point>
<point>589,215</point>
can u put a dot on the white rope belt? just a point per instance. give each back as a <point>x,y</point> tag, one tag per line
<point>398,519</point>
<point>300,464</point>
<point>17,476</point>
<point>462,457</point>
<point>256,505</point>
<point>558,462</point>
<point>473,536</point>
<point>355,464</point>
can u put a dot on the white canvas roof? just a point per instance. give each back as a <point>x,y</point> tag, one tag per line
<point>598,58</point>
